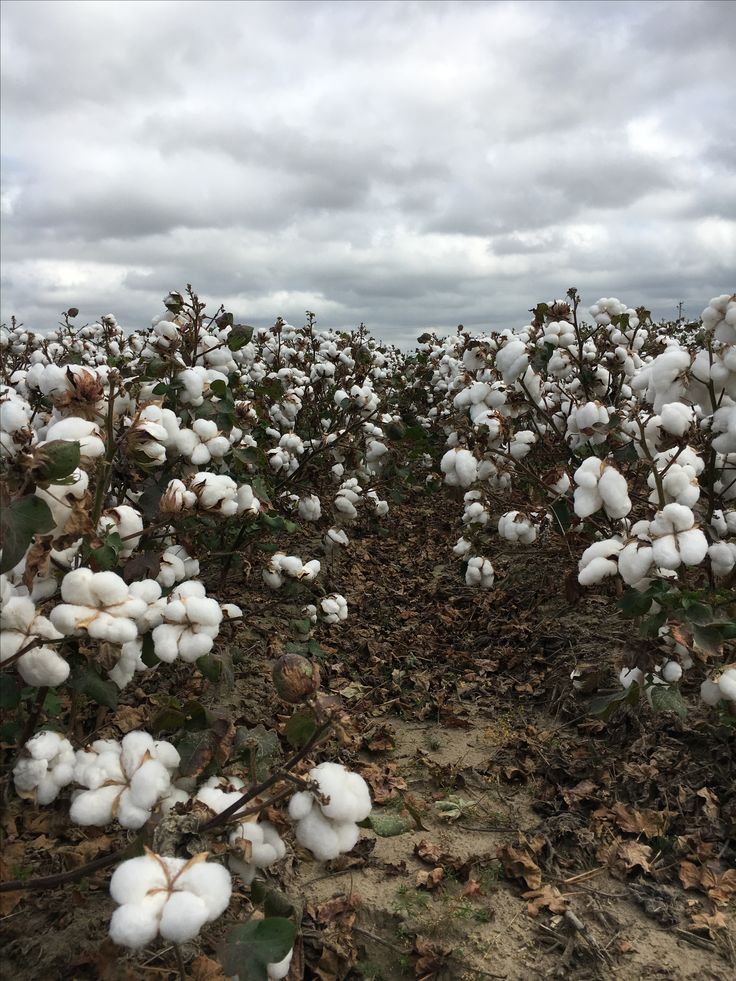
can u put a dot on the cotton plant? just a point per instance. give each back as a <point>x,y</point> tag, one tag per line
<point>327,825</point>
<point>170,897</point>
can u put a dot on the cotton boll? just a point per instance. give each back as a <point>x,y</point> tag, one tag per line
<point>614,492</point>
<point>676,418</point>
<point>722,557</point>
<point>671,672</point>
<point>348,792</point>
<point>631,676</point>
<point>135,926</point>
<point>479,572</point>
<point>183,916</point>
<point>727,684</point>
<point>280,969</point>
<point>635,561</point>
<point>596,570</point>
<point>45,766</point>
<point>710,692</point>
<point>461,547</point>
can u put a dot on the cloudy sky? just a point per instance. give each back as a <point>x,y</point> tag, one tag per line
<point>411,165</point>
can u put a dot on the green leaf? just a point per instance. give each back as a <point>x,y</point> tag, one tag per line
<point>86,680</point>
<point>300,728</point>
<point>561,511</point>
<point>148,653</point>
<point>252,946</point>
<point>635,604</point>
<point>169,719</point>
<point>603,706</point>
<point>60,459</point>
<point>219,388</point>
<point>274,902</point>
<point>300,627</point>
<point>211,667</point>
<point>105,557</point>
<point>10,689</point>
<point>296,647</point>
<point>239,336</point>
<point>387,825</point>
<point>667,698</point>
<point>19,522</point>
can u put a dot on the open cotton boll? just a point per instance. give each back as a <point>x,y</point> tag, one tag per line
<point>631,676</point>
<point>45,766</point>
<point>479,572</point>
<point>265,846</point>
<point>125,781</point>
<point>635,561</point>
<point>614,492</point>
<point>100,603</point>
<point>171,896</point>
<point>127,522</point>
<point>597,562</point>
<point>280,969</point>
<point>676,418</point>
<point>348,792</point>
<point>81,431</point>
<point>727,684</point>
<point>516,527</point>
<point>671,672</point>
<point>310,508</point>
<point>722,557</point>
<point>675,539</point>
<point>20,627</point>
<point>334,608</point>
<point>460,467</point>
<point>710,692</point>
<point>461,547</point>
<point>512,360</point>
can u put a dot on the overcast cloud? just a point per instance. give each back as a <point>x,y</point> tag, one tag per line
<point>411,165</point>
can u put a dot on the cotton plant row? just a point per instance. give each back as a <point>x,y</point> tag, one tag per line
<point>131,781</point>
<point>617,432</point>
<point>141,451</point>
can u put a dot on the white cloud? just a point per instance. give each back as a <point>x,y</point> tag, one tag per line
<point>410,165</point>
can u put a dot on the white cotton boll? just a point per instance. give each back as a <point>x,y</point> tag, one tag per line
<point>300,805</point>
<point>586,502</point>
<point>512,360</point>
<point>635,561</point>
<point>43,668</point>
<point>676,418</point>
<point>310,508</point>
<point>46,765</point>
<point>461,547</point>
<point>348,792</point>
<point>596,570</point>
<point>727,684</point>
<point>135,926</point>
<point>722,557</point>
<point>95,807</point>
<point>310,570</point>
<point>614,492</point>
<point>671,672</point>
<point>710,692</point>
<point>183,916</point>
<point>631,676</point>
<point>280,969</point>
<point>149,783</point>
<point>316,833</point>
<point>693,546</point>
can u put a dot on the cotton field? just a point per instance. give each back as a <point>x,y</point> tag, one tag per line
<point>161,488</point>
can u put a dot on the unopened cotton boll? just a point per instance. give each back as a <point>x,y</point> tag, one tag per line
<point>171,896</point>
<point>45,766</point>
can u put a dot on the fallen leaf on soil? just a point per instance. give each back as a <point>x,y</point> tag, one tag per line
<point>429,880</point>
<point>384,780</point>
<point>711,807</point>
<point>430,958</point>
<point>205,969</point>
<point>626,855</point>
<point>10,860</point>
<point>719,886</point>
<point>646,822</point>
<point>338,909</point>
<point>519,865</point>
<point>471,888</point>
<point>708,922</point>
<point>548,897</point>
<point>428,851</point>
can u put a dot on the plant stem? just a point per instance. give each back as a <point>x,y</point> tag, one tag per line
<point>180,963</point>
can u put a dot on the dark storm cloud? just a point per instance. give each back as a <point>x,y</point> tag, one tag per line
<point>410,165</point>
